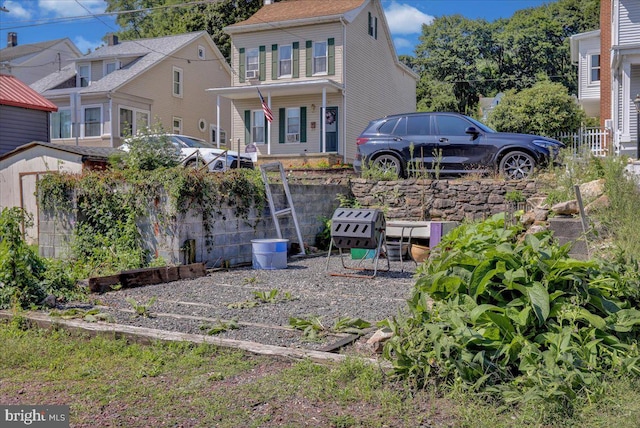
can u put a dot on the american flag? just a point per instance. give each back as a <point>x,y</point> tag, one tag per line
<point>268,114</point>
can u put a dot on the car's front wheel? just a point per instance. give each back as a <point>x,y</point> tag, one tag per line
<point>388,163</point>
<point>517,165</point>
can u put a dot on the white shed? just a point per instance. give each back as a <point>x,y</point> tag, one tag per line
<point>21,168</point>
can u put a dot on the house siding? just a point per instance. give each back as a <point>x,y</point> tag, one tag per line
<point>267,38</point>
<point>629,17</point>
<point>382,93</point>
<point>588,90</point>
<point>21,126</point>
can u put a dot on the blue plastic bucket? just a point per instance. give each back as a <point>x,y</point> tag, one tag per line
<point>269,253</point>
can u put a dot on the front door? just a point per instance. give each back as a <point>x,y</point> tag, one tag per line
<point>331,129</point>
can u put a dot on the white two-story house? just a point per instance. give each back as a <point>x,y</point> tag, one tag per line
<point>324,70</point>
<point>122,88</point>
<point>609,71</point>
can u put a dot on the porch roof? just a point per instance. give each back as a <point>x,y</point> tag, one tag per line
<point>277,89</point>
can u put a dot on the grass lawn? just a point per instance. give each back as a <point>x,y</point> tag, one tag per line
<point>109,382</point>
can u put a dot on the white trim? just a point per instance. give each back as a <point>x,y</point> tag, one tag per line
<point>280,60</point>
<point>79,75</point>
<point>326,58</point>
<point>106,64</point>
<point>180,82</point>
<point>590,54</point>
<point>178,129</point>
<point>83,133</point>
<point>134,125</point>
<point>253,126</point>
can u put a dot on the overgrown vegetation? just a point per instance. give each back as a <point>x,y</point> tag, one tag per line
<point>26,278</point>
<point>314,329</point>
<point>517,318</point>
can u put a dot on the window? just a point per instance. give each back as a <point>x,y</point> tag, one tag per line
<point>177,82</point>
<point>133,121</point>
<point>61,124</point>
<point>320,58</point>
<point>420,125</point>
<point>452,125</point>
<point>257,128</point>
<point>177,125</point>
<point>594,68</point>
<point>223,135</point>
<point>284,66</point>
<point>84,75</point>
<point>201,52</point>
<point>110,67</point>
<point>293,125</point>
<point>92,121</point>
<point>253,64</point>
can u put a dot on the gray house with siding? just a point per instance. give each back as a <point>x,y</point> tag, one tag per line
<point>24,114</point>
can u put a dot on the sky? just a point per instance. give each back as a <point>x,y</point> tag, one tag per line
<point>81,20</point>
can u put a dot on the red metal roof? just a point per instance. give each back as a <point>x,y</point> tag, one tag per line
<point>15,93</point>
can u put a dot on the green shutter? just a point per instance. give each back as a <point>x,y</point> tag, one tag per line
<point>296,60</point>
<point>274,62</point>
<point>281,125</point>
<point>247,127</point>
<point>241,72</point>
<point>309,58</point>
<point>263,63</point>
<point>331,66</point>
<point>303,124</point>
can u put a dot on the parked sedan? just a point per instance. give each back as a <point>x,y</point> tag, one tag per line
<point>195,152</point>
<point>450,143</point>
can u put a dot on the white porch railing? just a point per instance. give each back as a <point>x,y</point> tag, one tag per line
<point>596,140</point>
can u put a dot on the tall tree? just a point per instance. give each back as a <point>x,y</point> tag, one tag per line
<point>156,18</point>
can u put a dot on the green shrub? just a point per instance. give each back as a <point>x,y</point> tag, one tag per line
<point>517,317</point>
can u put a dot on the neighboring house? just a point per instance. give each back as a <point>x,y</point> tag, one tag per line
<point>585,53</point>
<point>24,114</point>
<point>618,68</point>
<point>487,104</point>
<point>125,87</point>
<point>324,68</point>
<point>21,168</point>
<point>34,61</point>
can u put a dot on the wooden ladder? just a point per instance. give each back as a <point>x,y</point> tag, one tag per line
<point>288,210</point>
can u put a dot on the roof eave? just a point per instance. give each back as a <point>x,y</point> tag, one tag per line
<point>248,28</point>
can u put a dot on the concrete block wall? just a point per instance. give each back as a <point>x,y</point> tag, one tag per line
<point>220,238</point>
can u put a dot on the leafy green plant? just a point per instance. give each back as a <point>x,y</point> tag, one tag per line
<point>142,309</point>
<point>270,296</point>
<point>250,280</point>
<point>517,317</point>
<point>149,150</point>
<point>373,171</point>
<point>514,196</point>
<point>91,315</point>
<point>220,327</point>
<point>313,329</point>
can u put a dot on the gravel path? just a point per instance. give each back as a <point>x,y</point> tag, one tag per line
<point>305,289</point>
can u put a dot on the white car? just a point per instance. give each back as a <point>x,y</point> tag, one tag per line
<point>195,152</point>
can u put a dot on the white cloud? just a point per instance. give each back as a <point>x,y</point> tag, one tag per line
<point>401,43</point>
<point>65,8</point>
<point>406,19</point>
<point>16,10</point>
<point>84,45</point>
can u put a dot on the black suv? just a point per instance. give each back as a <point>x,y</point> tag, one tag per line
<point>450,143</point>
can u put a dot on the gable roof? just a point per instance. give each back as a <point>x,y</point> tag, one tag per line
<point>292,10</point>
<point>15,93</point>
<point>88,153</point>
<point>13,52</point>
<point>149,52</point>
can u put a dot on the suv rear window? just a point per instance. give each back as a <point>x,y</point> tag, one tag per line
<point>387,127</point>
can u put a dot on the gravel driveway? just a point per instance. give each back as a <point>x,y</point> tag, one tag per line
<point>304,290</point>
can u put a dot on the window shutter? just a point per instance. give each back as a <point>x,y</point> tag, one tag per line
<point>281,126</point>
<point>309,58</point>
<point>263,61</point>
<point>247,127</point>
<point>241,71</point>
<point>370,25</point>
<point>303,124</point>
<point>274,62</point>
<point>331,66</point>
<point>296,60</point>
<point>375,30</point>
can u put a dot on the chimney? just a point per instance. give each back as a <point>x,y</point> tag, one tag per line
<point>12,39</point>
<point>112,39</point>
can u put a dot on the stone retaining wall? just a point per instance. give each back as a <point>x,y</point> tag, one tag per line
<point>449,200</point>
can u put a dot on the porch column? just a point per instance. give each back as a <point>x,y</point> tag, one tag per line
<point>268,124</point>
<point>217,122</point>
<point>323,110</point>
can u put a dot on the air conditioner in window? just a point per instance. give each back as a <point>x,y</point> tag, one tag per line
<point>252,74</point>
<point>293,138</point>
